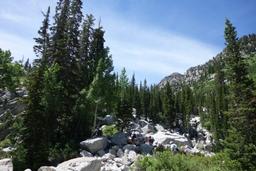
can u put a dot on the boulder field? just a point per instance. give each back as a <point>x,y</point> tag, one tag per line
<point>119,151</point>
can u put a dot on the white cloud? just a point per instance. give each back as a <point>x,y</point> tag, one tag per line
<point>148,50</point>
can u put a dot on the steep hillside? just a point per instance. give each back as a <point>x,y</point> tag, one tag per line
<point>205,71</point>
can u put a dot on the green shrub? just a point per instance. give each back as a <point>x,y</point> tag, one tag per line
<point>167,161</point>
<point>109,130</point>
<point>59,154</point>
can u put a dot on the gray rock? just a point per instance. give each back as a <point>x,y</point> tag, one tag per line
<point>101,153</point>
<point>108,156</point>
<point>81,164</point>
<point>108,120</point>
<point>6,164</point>
<point>143,123</point>
<point>129,147</point>
<point>148,128</point>
<point>95,144</point>
<point>120,153</point>
<point>119,139</point>
<point>146,149</point>
<point>112,151</point>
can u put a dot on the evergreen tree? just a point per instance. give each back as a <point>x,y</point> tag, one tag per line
<point>35,137</point>
<point>221,103</point>
<point>41,48</point>
<point>145,99</point>
<point>242,137</point>
<point>84,51</point>
<point>168,105</point>
<point>96,51</point>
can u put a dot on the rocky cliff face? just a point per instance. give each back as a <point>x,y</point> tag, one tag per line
<point>175,80</point>
<point>194,74</point>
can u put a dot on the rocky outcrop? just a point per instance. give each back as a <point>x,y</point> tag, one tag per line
<point>199,72</point>
<point>175,80</point>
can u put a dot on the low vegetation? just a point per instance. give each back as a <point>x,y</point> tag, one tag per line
<point>167,161</point>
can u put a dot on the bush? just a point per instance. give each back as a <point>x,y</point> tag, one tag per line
<point>58,154</point>
<point>167,161</point>
<point>109,130</point>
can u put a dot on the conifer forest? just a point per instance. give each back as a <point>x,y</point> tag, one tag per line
<point>68,108</point>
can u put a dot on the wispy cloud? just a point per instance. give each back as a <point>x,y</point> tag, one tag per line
<point>148,51</point>
<point>153,51</point>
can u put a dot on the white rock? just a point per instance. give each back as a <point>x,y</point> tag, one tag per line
<point>27,170</point>
<point>6,164</point>
<point>159,127</point>
<point>47,168</point>
<point>108,156</point>
<point>8,149</point>
<point>81,164</point>
<point>167,137</point>
<point>85,153</point>
<point>148,129</point>
<point>132,156</point>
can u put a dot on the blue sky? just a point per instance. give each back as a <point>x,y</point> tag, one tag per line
<point>151,38</point>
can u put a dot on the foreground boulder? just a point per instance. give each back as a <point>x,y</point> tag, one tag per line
<point>81,164</point>
<point>6,164</point>
<point>95,144</point>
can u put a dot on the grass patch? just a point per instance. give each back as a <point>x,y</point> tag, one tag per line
<point>167,161</point>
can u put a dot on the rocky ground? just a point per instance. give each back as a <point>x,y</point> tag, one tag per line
<point>119,151</point>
